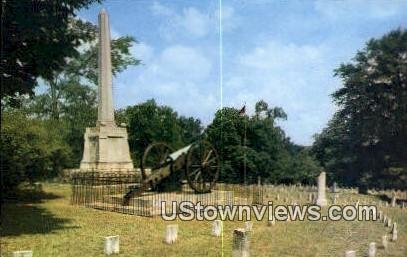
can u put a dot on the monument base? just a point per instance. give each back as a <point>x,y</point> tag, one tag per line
<point>107,166</point>
<point>106,148</point>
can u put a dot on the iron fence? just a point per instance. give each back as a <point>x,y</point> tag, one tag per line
<point>106,192</point>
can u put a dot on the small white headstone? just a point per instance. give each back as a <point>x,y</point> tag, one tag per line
<point>385,242</point>
<point>23,254</point>
<point>111,245</point>
<point>380,215</point>
<point>393,200</point>
<point>350,254</point>
<point>248,226</point>
<point>334,200</point>
<point>389,222</point>
<point>334,188</point>
<point>394,236</point>
<point>394,227</point>
<point>394,232</point>
<point>171,234</point>
<point>217,228</point>
<point>372,250</point>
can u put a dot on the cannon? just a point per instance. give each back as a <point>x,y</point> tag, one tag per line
<point>199,161</point>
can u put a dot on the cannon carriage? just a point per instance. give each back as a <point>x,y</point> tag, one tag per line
<point>199,161</point>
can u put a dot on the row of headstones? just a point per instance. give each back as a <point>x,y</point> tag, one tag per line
<point>372,250</point>
<point>112,243</point>
<point>313,197</point>
<point>241,242</point>
<point>240,239</point>
<point>320,199</point>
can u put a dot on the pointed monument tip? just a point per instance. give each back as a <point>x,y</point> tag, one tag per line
<point>103,10</point>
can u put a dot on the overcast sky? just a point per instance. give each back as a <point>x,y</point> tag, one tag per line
<point>283,52</point>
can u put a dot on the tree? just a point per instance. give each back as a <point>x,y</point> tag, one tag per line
<point>334,149</point>
<point>191,129</point>
<point>37,39</point>
<point>148,123</point>
<point>257,145</point>
<point>82,71</point>
<point>226,133</point>
<point>30,149</point>
<point>368,134</point>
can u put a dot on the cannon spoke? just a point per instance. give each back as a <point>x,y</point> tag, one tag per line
<point>195,171</point>
<point>202,167</point>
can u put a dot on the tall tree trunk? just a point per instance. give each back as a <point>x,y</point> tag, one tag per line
<point>54,100</point>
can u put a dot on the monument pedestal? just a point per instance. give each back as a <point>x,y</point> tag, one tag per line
<point>106,149</point>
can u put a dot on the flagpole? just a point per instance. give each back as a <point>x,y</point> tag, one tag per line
<point>244,150</point>
<point>221,100</point>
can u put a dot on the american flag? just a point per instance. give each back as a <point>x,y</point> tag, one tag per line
<point>242,111</point>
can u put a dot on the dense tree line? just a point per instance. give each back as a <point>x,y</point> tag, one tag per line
<point>254,146</point>
<point>365,142</point>
<point>246,144</point>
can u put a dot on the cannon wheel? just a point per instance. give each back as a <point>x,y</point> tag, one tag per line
<point>202,167</point>
<point>154,157</point>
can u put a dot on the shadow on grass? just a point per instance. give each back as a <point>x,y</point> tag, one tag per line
<point>384,197</point>
<point>20,215</point>
<point>29,196</point>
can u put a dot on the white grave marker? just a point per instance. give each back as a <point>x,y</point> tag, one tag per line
<point>350,254</point>
<point>372,250</point>
<point>217,228</point>
<point>171,234</point>
<point>111,245</point>
<point>23,254</point>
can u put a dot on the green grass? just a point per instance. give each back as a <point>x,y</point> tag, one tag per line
<point>51,227</point>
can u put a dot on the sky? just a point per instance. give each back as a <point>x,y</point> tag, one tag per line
<point>283,52</point>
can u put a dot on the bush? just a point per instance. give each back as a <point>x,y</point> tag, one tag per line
<point>31,149</point>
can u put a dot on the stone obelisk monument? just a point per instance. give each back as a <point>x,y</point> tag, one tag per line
<point>106,147</point>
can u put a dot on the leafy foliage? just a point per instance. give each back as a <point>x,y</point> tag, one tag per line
<point>147,123</point>
<point>254,146</point>
<point>364,143</point>
<point>30,149</point>
<point>37,37</point>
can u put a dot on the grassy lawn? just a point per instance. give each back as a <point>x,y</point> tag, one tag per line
<point>51,227</point>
